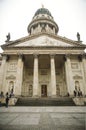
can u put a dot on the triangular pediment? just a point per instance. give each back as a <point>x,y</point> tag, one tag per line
<point>44,40</point>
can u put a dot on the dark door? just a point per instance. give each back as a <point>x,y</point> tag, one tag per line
<point>57,90</point>
<point>44,90</point>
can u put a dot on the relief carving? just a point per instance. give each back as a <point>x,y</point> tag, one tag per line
<point>11,77</point>
<point>12,66</point>
<point>77,77</point>
<point>74,65</point>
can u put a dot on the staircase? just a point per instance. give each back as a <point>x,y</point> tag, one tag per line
<point>60,101</point>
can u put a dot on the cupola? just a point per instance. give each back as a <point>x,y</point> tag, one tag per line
<point>42,22</point>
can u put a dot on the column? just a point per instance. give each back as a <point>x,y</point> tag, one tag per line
<point>53,77</point>
<point>35,76</point>
<point>19,76</point>
<point>84,71</point>
<point>69,76</point>
<point>2,72</point>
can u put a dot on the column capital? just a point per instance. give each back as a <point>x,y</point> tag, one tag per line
<point>80,57</point>
<point>21,56</point>
<point>84,56</point>
<point>35,55</point>
<point>66,56</point>
<point>5,57</point>
<point>52,55</point>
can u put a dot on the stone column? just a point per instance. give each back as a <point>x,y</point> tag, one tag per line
<point>39,28</point>
<point>84,71</point>
<point>35,76</point>
<point>54,30</point>
<point>32,30</point>
<point>69,75</point>
<point>2,72</point>
<point>53,77</point>
<point>19,76</point>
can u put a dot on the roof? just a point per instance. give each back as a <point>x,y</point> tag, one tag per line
<point>43,11</point>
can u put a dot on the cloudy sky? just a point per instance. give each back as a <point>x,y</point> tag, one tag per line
<point>15,15</point>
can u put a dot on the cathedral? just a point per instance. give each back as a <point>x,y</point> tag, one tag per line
<point>43,64</point>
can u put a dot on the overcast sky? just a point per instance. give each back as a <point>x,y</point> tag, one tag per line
<point>15,15</point>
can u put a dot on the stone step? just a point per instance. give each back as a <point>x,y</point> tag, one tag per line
<point>60,109</point>
<point>45,102</point>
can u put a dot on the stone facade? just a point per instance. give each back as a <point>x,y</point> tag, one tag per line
<point>43,64</point>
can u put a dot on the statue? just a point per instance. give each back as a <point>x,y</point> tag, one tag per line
<point>78,36</point>
<point>42,6</point>
<point>8,37</point>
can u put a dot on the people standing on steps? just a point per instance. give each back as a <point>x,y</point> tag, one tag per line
<point>78,92</point>
<point>7,99</point>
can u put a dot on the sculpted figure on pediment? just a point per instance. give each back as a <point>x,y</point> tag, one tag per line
<point>8,37</point>
<point>78,36</point>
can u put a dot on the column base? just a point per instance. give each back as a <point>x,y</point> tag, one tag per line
<point>35,96</point>
<point>53,96</point>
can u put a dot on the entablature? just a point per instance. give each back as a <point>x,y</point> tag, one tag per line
<point>41,51</point>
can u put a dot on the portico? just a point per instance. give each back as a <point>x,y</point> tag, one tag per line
<point>44,76</point>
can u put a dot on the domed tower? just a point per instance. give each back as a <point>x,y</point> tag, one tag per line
<point>43,22</point>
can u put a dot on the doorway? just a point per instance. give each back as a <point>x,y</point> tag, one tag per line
<point>57,90</point>
<point>43,90</point>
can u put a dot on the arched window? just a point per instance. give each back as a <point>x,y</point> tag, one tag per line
<point>77,85</point>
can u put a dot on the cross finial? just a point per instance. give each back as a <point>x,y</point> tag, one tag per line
<point>42,6</point>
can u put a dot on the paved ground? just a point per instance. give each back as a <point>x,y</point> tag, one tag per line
<point>42,118</point>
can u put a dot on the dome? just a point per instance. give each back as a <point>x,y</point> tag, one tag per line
<point>43,11</point>
<point>42,22</point>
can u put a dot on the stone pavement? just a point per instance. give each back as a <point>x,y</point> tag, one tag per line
<point>42,118</point>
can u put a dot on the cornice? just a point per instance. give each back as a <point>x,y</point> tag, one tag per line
<point>42,18</point>
<point>37,53</point>
<point>46,47</point>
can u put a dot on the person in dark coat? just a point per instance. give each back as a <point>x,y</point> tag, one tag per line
<point>74,93</point>
<point>1,94</point>
<point>7,99</point>
<point>79,92</point>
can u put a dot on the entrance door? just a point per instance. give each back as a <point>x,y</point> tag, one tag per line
<point>44,90</point>
<point>57,90</point>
